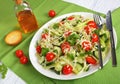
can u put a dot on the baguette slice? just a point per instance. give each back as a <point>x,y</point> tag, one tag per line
<point>14,37</point>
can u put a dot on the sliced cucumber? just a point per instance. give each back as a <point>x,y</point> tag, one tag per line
<point>58,66</point>
<point>41,59</point>
<point>86,68</point>
<point>57,50</point>
<point>77,68</point>
<point>103,45</point>
<point>49,65</point>
<point>80,60</point>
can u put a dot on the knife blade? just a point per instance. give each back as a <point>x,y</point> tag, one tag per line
<point>110,28</point>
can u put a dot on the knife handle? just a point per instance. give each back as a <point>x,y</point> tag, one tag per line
<point>114,61</point>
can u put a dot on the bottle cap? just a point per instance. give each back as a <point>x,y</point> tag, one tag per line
<point>18,1</point>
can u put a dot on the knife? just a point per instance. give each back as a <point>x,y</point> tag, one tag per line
<point>109,27</point>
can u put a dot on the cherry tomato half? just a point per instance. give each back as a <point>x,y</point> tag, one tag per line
<point>23,60</point>
<point>38,49</point>
<point>50,56</point>
<point>95,38</point>
<point>52,13</point>
<point>44,35</point>
<point>90,60</point>
<point>65,47</point>
<point>70,18</point>
<point>86,45</point>
<point>19,53</point>
<point>61,23</point>
<point>92,24</point>
<point>67,33</point>
<point>87,29</point>
<point>67,69</point>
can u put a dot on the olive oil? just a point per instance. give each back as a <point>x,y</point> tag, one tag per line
<point>25,16</point>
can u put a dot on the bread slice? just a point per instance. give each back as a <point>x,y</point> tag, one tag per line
<point>14,37</point>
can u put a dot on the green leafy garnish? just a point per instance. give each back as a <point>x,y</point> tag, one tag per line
<point>3,70</point>
<point>55,51</point>
<point>71,56</point>
<point>44,51</point>
<point>56,26</point>
<point>72,38</point>
<point>96,31</point>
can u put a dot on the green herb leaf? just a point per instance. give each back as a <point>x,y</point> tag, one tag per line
<point>3,70</point>
<point>72,38</point>
<point>55,51</point>
<point>44,51</point>
<point>97,31</point>
<point>71,56</point>
<point>56,26</point>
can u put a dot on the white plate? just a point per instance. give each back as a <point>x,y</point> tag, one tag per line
<point>48,73</point>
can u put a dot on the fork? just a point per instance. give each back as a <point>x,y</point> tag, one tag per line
<point>99,23</point>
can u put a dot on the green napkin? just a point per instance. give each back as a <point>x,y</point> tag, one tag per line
<point>8,22</point>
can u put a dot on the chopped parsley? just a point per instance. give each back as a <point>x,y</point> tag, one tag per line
<point>3,70</point>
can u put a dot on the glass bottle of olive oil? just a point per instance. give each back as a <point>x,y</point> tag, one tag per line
<point>25,16</point>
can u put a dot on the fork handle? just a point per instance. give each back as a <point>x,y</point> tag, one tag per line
<point>100,53</point>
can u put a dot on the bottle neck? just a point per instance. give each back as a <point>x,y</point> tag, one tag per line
<point>21,5</point>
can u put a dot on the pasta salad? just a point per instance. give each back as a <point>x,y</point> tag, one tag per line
<point>70,46</point>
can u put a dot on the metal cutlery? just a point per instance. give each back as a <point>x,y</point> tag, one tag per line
<point>99,23</point>
<point>109,27</point>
